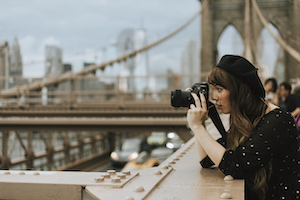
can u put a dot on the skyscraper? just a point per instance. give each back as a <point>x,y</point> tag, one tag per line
<point>15,60</point>
<point>128,41</point>
<point>189,66</point>
<point>141,63</point>
<point>4,64</point>
<point>54,64</point>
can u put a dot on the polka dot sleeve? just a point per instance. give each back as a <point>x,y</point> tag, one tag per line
<point>274,132</point>
<point>207,162</point>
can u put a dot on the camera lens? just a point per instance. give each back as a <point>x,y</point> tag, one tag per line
<point>181,98</point>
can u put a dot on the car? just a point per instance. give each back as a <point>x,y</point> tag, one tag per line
<point>129,150</point>
<point>156,139</point>
<point>174,141</point>
<point>143,161</point>
<point>146,160</point>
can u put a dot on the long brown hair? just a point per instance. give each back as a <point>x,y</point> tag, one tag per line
<point>246,111</point>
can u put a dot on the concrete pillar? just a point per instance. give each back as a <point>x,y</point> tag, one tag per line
<point>208,52</point>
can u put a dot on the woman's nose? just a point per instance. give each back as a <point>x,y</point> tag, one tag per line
<point>214,96</point>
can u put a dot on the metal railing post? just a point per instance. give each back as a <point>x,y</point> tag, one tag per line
<point>5,160</point>
<point>29,151</point>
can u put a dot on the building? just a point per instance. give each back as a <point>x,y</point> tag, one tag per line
<point>189,67</point>
<point>133,71</point>
<point>4,65</point>
<point>67,67</point>
<point>16,66</point>
<point>54,64</point>
<point>141,70</point>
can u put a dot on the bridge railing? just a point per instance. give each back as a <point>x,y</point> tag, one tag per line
<point>42,149</point>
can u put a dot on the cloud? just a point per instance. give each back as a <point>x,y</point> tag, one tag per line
<point>51,41</point>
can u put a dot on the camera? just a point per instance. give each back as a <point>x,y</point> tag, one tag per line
<point>182,98</point>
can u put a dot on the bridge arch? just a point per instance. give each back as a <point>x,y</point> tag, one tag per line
<point>268,49</point>
<point>233,43</point>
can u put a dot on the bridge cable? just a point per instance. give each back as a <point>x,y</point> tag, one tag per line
<point>247,51</point>
<point>283,31</point>
<point>295,54</point>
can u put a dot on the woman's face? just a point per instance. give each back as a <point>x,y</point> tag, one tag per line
<point>222,98</point>
<point>268,86</point>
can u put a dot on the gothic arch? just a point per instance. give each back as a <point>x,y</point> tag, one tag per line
<point>230,28</point>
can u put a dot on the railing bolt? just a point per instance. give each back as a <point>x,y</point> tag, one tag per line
<point>98,180</point>
<point>7,173</point>
<point>157,172</point>
<point>129,198</point>
<point>105,175</point>
<point>172,162</point>
<point>165,167</point>
<point>116,180</point>
<point>225,196</point>
<point>126,172</point>
<point>111,172</point>
<point>36,173</point>
<point>21,173</point>
<point>122,176</point>
<point>139,189</point>
<point>228,178</point>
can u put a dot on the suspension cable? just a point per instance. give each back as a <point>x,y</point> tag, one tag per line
<point>295,54</point>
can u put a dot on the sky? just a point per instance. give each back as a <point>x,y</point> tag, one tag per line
<point>82,29</point>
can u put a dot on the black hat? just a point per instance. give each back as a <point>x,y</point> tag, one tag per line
<point>244,70</point>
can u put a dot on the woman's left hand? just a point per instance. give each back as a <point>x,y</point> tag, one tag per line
<point>197,113</point>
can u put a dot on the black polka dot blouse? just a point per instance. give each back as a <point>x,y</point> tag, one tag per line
<point>273,146</point>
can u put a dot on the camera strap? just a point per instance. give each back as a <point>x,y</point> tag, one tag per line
<point>215,117</point>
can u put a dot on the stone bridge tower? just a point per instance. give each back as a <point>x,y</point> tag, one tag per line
<point>218,14</point>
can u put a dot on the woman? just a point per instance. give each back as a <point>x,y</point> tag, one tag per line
<point>260,145</point>
<point>271,88</point>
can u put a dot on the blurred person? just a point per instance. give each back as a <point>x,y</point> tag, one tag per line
<point>287,101</point>
<point>260,145</point>
<point>271,88</point>
<point>294,83</point>
<point>297,111</point>
<point>297,91</point>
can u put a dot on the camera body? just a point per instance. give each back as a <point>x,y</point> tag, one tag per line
<point>182,98</point>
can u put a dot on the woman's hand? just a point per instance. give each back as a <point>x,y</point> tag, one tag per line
<point>197,113</point>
